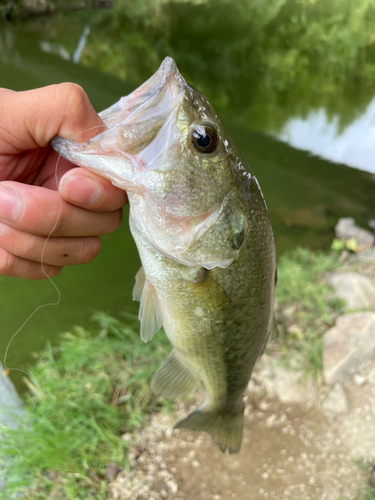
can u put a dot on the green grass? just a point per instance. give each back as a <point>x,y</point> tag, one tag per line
<point>94,387</point>
<point>369,493</point>
<point>84,394</point>
<point>315,308</point>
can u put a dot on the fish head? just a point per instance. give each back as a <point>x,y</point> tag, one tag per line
<point>167,148</point>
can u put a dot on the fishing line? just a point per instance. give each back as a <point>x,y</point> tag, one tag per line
<point>42,266</point>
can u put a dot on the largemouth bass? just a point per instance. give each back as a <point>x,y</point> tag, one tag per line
<point>203,233</point>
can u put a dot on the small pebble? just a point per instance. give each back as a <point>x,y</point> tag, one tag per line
<point>359,379</point>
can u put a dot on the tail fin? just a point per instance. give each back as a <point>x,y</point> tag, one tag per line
<point>225,429</point>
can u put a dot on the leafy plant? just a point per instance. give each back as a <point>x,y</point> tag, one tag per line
<point>310,303</point>
<point>84,394</point>
<point>350,244</point>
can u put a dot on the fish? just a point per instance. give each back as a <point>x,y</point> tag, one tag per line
<point>203,233</point>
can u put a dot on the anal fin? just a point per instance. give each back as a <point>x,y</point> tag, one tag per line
<point>174,378</point>
<point>149,312</point>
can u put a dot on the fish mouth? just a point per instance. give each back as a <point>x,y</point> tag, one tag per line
<point>153,101</point>
<point>132,124</point>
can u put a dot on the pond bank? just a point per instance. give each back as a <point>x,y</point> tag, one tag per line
<point>304,438</point>
<point>307,435</point>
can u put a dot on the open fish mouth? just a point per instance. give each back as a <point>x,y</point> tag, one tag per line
<point>153,100</point>
<point>133,124</point>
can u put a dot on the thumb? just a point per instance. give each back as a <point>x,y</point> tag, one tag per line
<point>32,118</point>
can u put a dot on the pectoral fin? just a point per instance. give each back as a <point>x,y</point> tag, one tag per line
<point>174,378</point>
<point>140,279</point>
<point>149,312</point>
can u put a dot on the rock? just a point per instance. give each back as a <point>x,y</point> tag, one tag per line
<point>10,409</point>
<point>289,312</point>
<point>346,229</point>
<point>294,330</point>
<point>357,290</point>
<point>359,379</point>
<point>10,403</point>
<point>348,346</point>
<point>336,399</point>
<point>367,255</point>
<point>287,385</point>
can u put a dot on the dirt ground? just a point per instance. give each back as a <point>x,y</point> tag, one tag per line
<point>289,451</point>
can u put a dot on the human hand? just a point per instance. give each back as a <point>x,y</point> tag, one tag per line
<point>30,203</point>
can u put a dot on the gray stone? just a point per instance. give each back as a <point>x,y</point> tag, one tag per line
<point>10,409</point>
<point>288,386</point>
<point>289,312</point>
<point>336,399</point>
<point>348,346</point>
<point>357,290</point>
<point>366,256</point>
<point>10,403</point>
<point>359,379</point>
<point>346,229</point>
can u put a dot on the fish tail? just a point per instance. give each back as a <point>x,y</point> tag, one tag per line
<point>225,429</point>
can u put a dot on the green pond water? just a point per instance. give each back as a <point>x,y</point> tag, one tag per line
<point>291,81</point>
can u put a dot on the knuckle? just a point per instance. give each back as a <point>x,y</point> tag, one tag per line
<point>7,263</point>
<point>114,221</point>
<point>76,99</point>
<point>49,270</point>
<point>31,247</point>
<point>61,224</point>
<point>89,249</point>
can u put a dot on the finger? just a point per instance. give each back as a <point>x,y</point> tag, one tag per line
<point>57,252</point>
<point>36,116</point>
<point>51,172</point>
<point>37,210</point>
<point>10,265</point>
<point>88,190</point>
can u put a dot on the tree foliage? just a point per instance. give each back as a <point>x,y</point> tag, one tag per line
<point>267,60</point>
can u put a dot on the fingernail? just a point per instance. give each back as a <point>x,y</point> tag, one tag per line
<point>81,189</point>
<point>10,204</point>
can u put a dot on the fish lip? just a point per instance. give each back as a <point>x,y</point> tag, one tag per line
<point>167,86</point>
<point>142,104</point>
<point>158,81</point>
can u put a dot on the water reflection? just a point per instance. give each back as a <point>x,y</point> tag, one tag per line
<point>54,48</point>
<point>320,135</point>
<point>81,44</point>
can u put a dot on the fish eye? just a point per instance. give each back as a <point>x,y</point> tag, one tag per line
<point>204,139</point>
